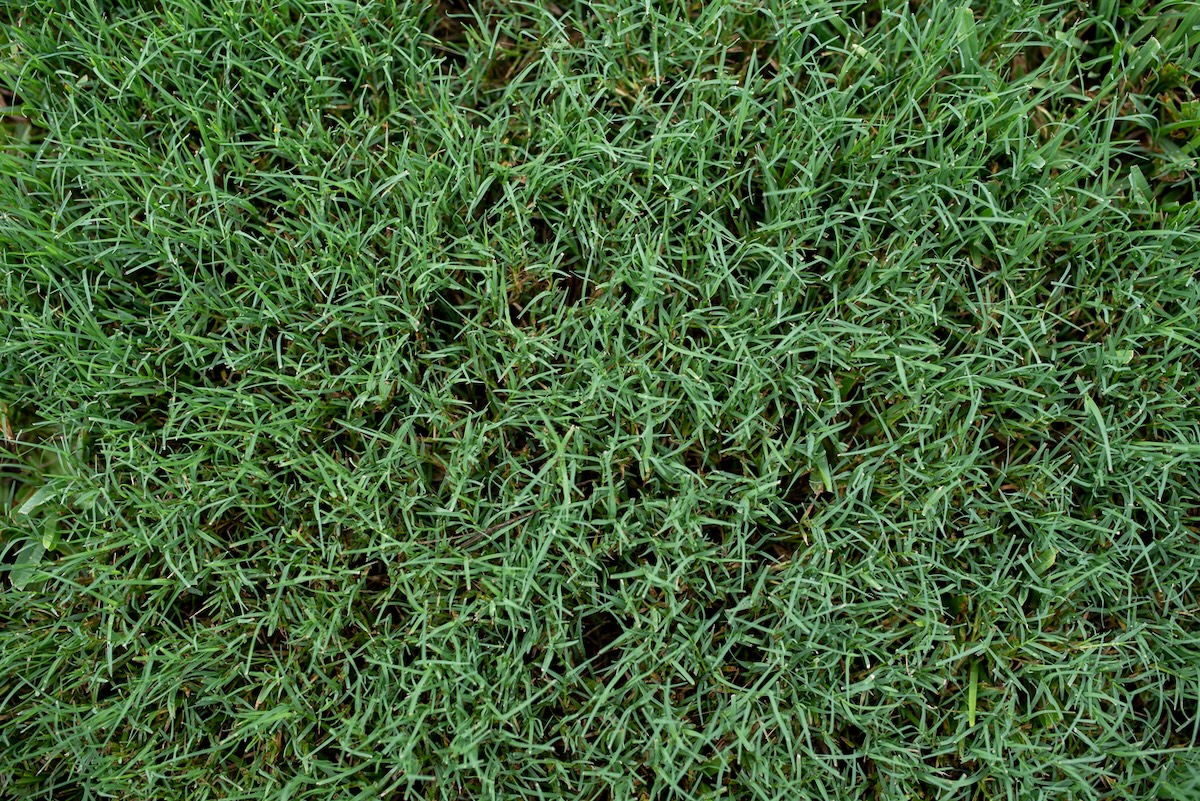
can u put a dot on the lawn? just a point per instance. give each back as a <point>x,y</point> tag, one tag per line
<point>747,399</point>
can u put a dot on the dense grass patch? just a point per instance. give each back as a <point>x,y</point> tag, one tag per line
<point>750,400</point>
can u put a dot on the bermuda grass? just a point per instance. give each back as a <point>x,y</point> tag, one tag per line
<point>782,399</point>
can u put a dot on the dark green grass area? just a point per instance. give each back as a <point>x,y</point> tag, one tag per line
<point>608,401</point>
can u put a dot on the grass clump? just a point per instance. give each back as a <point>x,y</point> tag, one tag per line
<point>755,400</point>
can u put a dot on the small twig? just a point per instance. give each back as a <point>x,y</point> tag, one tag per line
<point>490,530</point>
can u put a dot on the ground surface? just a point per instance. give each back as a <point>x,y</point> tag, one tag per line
<point>749,400</point>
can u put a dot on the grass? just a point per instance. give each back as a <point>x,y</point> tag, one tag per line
<point>748,400</point>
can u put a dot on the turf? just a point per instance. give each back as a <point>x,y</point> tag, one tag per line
<point>745,400</point>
